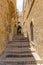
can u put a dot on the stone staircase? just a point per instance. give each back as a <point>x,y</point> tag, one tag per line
<point>19,52</point>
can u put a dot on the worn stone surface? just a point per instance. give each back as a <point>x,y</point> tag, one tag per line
<point>4,13</point>
<point>36,17</point>
<point>8,18</point>
<point>17,53</point>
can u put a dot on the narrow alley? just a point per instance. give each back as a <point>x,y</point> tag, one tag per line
<point>21,32</point>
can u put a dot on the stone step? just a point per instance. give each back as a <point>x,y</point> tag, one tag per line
<point>19,63</point>
<point>22,52</point>
<point>30,59</point>
<point>12,46</point>
<point>18,46</point>
<point>18,56</point>
<point>17,49</point>
<point>17,59</point>
<point>21,49</point>
<point>15,41</point>
<point>18,43</point>
<point>20,39</point>
<point>18,53</point>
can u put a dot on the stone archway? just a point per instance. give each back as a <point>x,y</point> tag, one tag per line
<point>19,29</point>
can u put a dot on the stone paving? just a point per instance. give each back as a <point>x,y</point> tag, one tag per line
<point>18,53</point>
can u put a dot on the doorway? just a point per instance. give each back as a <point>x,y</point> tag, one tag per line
<point>31,31</point>
<point>19,29</point>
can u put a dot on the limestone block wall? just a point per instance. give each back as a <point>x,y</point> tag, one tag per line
<point>14,26</point>
<point>7,22</point>
<point>4,19</point>
<point>26,8</point>
<point>36,16</point>
<point>13,20</point>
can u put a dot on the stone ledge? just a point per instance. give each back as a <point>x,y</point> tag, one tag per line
<point>37,57</point>
<point>41,64</point>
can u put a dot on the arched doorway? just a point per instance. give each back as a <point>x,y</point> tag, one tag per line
<point>19,29</point>
<point>31,31</point>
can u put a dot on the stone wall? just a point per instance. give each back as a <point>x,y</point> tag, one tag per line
<point>8,19</point>
<point>26,8</point>
<point>4,19</point>
<point>13,18</point>
<point>36,17</point>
